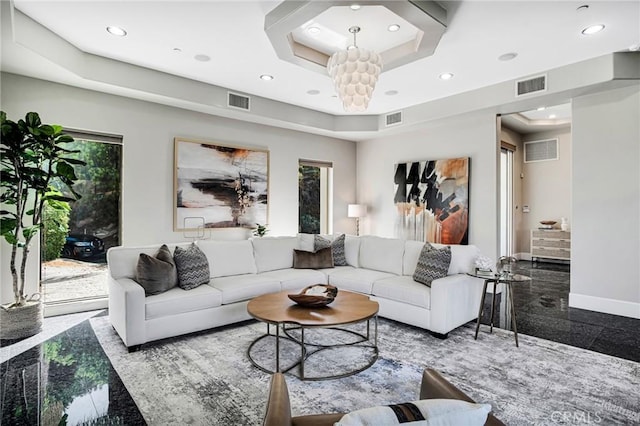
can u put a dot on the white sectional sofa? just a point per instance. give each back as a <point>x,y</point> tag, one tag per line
<point>240,270</point>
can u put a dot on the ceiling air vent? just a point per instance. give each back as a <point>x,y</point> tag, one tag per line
<point>238,101</point>
<point>541,150</point>
<point>394,118</point>
<point>531,85</point>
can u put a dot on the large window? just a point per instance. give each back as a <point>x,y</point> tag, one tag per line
<point>315,197</point>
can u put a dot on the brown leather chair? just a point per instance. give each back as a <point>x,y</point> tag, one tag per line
<point>434,386</point>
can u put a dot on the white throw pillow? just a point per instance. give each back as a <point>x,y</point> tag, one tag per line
<point>305,242</point>
<point>436,412</point>
<point>352,250</point>
<point>274,253</point>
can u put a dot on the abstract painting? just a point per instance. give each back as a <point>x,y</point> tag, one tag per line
<point>222,186</point>
<point>432,200</point>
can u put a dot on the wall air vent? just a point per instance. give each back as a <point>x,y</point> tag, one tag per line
<point>235,100</point>
<point>393,119</point>
<point>544,150</point>
<point>532,85</point>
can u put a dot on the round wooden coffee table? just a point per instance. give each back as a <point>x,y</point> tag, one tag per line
<point>348,308</point>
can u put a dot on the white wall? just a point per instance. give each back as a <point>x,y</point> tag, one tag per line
<point>469,135</point>
<point>147,175</point>
<point>605,265</point>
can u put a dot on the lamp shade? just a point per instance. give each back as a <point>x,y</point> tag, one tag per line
<point>357,210</point>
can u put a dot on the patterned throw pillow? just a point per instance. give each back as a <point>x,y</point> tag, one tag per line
<point>432,264</point>
<point>193,267</point>
<point>156,274</point>
<point>337,247</point>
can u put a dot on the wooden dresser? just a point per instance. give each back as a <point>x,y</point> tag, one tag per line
<point>550,244</point>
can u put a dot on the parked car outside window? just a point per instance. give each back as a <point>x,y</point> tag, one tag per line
<point>80,246</point>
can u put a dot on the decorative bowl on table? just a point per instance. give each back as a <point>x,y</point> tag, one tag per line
<point>315,296</point>
<point>547,224</point>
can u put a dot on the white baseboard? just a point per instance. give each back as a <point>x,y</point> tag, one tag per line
<point>523,256</point>
<point>602,304</point>
<point>72,307</point>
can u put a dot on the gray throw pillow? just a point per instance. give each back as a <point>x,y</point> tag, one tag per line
<point>432,264</point>
<point>193,267</point>
<point>156,274</point>
<point>337,247</point>
<point>322,258</point>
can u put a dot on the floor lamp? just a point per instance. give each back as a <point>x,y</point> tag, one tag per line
<point>357,211</point>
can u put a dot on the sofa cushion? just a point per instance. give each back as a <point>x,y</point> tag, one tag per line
<point>192,265</point>
<point>381,254</point>
<point>179,301</point>
<point>433,263</point>
<point>273,253</point>
<point>244,287</point>
<point>336,245</point>
<point>403,289</point>
<point>296,279</point>
<point>441,412</point>
<point>229,257</point>
<point>322,258</point>
<point>157,274</point>
<point>354,279</point>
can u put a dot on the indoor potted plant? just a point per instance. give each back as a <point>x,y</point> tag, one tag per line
<point>31,158</point>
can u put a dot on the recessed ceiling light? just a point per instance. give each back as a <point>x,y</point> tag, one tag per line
<point>583,8</point>
<point>393,28</point>
<point>177,49</point>
<point>313,92</point>
<point>391,92</point>
<point>552,116</point>
<point>313,30</point>
<point>355,7</point>
<point>507,56</point>
<point>541,108</point>
<point>202,58</point>
<point>116,31</point>
<point>593,29</point>
<point>266,77</point>
<point>446,76</point>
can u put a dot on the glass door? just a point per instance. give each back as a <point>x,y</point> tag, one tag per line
<point>77,235</point>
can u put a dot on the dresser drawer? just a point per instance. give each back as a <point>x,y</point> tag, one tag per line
<point>558,253</point>
<point>561,235</point>
<point>545,242</point>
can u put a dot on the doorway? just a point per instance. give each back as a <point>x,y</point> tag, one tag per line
<point>540,169</point>
<point>75,238</point>
<point>506,199</point>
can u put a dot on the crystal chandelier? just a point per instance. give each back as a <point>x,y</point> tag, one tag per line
<point>355,73</point>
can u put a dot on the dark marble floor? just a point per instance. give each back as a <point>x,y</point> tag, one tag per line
<point>68,379</point>
<point>542,310</point>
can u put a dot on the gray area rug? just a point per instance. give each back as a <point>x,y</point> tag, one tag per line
<point>206,378</point>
